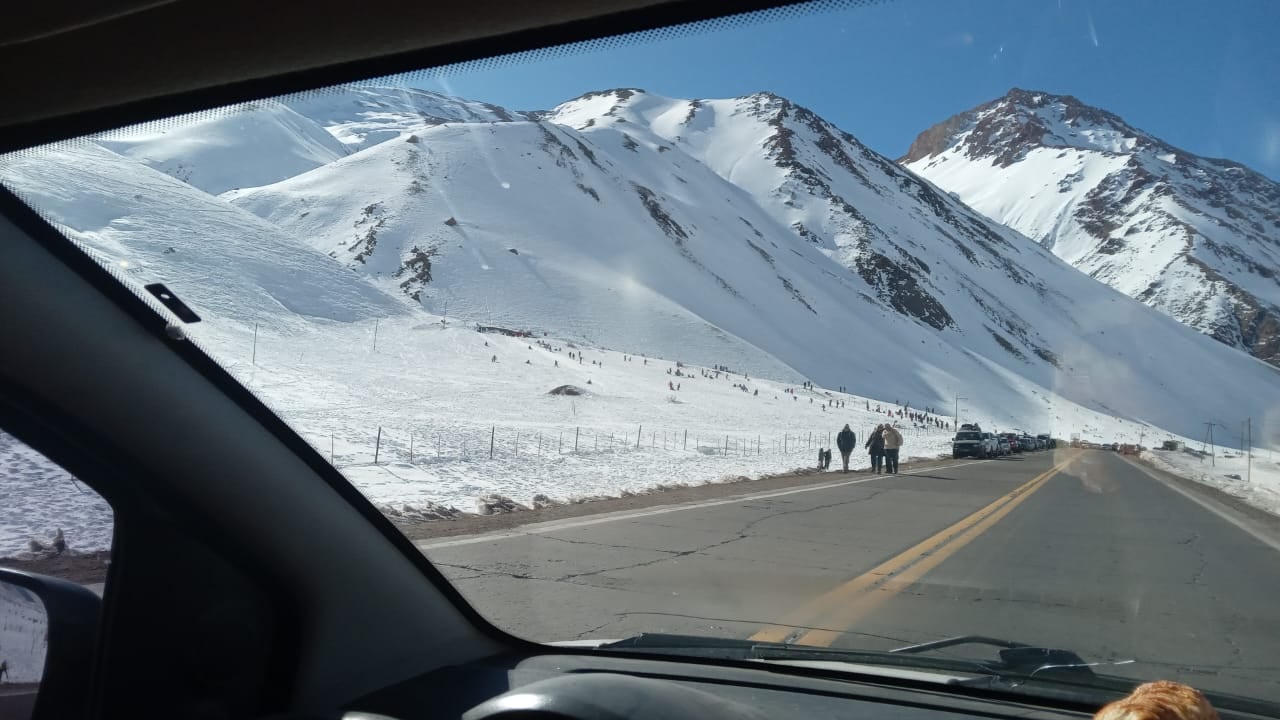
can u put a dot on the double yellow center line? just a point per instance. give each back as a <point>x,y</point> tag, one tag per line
<point>815,623</point>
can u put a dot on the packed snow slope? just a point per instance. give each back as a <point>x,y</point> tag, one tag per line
<point>1194,237</point>
<point>240,146</point>
<point>361,116</point>
<point>149,227</point>
<point>748,232</point>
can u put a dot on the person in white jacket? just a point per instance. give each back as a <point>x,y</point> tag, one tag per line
<point>892,443</point>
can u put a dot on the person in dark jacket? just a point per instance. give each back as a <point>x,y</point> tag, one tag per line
<point>846,441</point>
<point>826,460</point>
<point>875,444</point>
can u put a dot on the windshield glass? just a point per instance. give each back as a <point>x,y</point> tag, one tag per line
<point>673,333</point>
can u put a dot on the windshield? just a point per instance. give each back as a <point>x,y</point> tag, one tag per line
<point>674,333</point>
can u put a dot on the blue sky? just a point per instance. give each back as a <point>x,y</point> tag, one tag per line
<point>1204,76</point>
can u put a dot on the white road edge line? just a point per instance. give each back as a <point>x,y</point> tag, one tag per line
<point>553,525</point>
<point>1209,505</point>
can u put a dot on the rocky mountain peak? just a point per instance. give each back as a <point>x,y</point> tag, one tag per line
<point>1006,128</point>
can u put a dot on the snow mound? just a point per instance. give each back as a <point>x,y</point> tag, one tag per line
<point>239,147</point>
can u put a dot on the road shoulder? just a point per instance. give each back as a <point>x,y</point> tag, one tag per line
<point>1257,522</point>
<point>485,524</point>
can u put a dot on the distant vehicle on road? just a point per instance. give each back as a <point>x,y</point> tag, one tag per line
<point>1014,444</point>
<point>1046,441</point>
<point>1005,447</point>
<point>1027,441</point>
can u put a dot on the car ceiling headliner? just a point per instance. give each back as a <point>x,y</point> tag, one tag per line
<point>73,67</point>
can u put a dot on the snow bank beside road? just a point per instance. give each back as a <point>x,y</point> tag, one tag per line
<point>1227,472</point>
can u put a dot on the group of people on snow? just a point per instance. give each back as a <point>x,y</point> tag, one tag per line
<point>883,444</point>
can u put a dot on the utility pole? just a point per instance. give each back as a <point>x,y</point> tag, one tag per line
<point>1249,430</point>
<point>1209,437</point>
<point>375,334</point>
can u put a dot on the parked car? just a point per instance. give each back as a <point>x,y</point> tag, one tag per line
<point>1014,444</point>
<point>969,443</point>
<point>1046,441</point>
<point>1028,442</point>
<point>1005,447</point>
<point>992,444</point>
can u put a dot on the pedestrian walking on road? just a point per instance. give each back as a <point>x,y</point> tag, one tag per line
<point>875,446</point>
<point>892,443</point>
<point>846,441</point>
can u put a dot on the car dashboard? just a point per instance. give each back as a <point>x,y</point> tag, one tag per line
<point>597,686</point>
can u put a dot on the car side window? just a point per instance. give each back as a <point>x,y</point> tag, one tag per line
<point>50,524</point>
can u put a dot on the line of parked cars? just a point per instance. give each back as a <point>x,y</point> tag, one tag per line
<point>972,441</point>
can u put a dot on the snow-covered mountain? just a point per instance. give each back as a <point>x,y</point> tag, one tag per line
<point>241,146</point>
<point>150,227</point>
<point>744,232</point>
<point>747,229</point>
<point>1194,237</point>
<point>361,116</point>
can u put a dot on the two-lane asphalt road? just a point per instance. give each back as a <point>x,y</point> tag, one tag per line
<point>1082,550</point>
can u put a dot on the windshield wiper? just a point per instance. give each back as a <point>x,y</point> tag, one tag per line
<point>1034,672</point>
<point>906,657</point>
<point>1020,658</point>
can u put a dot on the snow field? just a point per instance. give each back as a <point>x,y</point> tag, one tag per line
<point>37,498</point>
<point>1228,470</point>
<point>430,400</point>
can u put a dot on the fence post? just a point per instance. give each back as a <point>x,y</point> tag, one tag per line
<point>757,444</point>
<point>517,444</point>
<point>784,443</point>
<point>596,439</point>
<point>331,462</point>
<point>810,438</point>
<point>492,432</point>
<point>686,440</point>
<point>575,439</point>
<point>410,447</point>
<point>437,445</point>
<point>377,445</point>
<point>560,446</point>
<point>254,361</point>
<point>726,444</point>
<point>638,431</point>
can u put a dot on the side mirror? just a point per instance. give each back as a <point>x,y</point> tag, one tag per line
<point>48,637</point>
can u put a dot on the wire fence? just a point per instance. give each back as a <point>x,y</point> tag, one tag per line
<point>425,446</point>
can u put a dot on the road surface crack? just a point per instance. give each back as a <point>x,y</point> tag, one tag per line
<point>597,628</point>
<point>1193,542</point>
<point>746,529</point>
<point>597,544</point>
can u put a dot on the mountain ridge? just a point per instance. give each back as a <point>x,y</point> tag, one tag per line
<point>1191,236</point>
